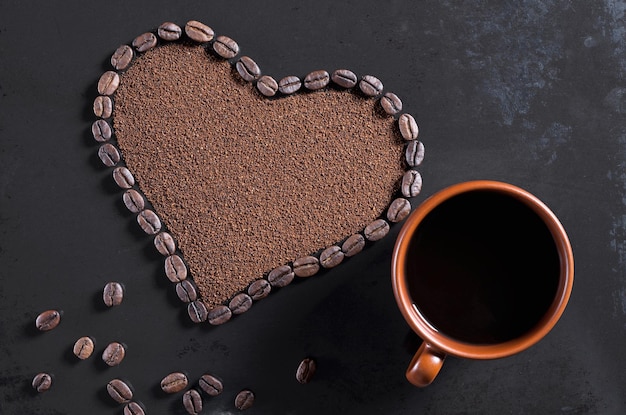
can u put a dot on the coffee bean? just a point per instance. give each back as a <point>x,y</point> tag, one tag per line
<point>316,80</point>
<point>289,84</point>
<point>306,370</point>
<point>408,127</point>
<point>174,382</point>
<point>376,230</point>
<point>192,401</point>
<point>344,78</point>
<point>199,32</point>
<point>133,408</point>
<point>108,83</point>
<point>109,155</point>
<point>267,86</point>
<point>102,106</point>
<point>259,289</point>
<point>144,42</point>
<point>306,266</point>
<point>411,184</point>
<point>211,385</point>
<point>101,130</point>
<point>240,303</point>
<point>113,354</point>
<point>414,153</point>
<point>165,244</point>
<point>219,315</point>
<point>248,69</point>
<point>353,245</point>
<point>123,177</point>
<point>113,294</point>
<point>121,58</point>
<point>48,320</point>
<point>133,200</point>
<point>149,222</point>
<point>371,86</point>
<point>398,210</point>
<point>120,391</point>
<point>83,348</point>
<point>197,311</point>
<point>169,31</point>
<point>42,382</point>
<point>391,103</point>
<point>331,257</point>
<point>186,292</point>
<point>280,276</point>
<point>175,268</point>
<point>244,400</point>
<point>225,47</point>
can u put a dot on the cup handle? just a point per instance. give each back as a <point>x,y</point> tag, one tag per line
<point>425,365</point>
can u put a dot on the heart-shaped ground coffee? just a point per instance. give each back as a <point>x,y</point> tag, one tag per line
<point>244,183</point>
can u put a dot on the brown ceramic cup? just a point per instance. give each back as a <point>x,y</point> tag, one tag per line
<point>480,270</point>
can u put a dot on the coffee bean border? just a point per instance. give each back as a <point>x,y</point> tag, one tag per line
<point>368,86</point>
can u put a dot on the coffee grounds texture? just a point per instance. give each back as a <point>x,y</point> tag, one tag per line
<point>246,183</point>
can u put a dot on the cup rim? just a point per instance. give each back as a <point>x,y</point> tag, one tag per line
<point>451,346</point>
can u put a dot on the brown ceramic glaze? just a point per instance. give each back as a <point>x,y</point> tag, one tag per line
<point>436,345</point>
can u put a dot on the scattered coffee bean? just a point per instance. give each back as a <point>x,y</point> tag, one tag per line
<point>306,370</point>
<point>398,210</point>
<point>144,42</point>
<point>371,86</point>
<point>109,155</point>
<point>408,127</point>
<point>113,294</point>
<point>197,311</point>
<point>411,184</point>
<point>211,385</point>
<point>120,391</point>
<point>316,80</point>
<point>133,200</point>
<point>414,153</point>
<point>48,320</point>
<point>102,106</point>
<point>219,315</point>
<point>149,222</point>
<point>192,401</point>
<point>376,230</point>
<point>391,103</point>
<point>121,58</point>
<point>267,86</point>
<point>289,84</point>
<point>101,130</point>
<point>199,32</point>
<point>259,289</point>
<point>42,382</point>
<point>123,177</point>
<point>225,47</point>
<point>306,266</point>
<point>331,257</point>
<point>175,268</point>
<point>240,303</point>
<point>133,408</point>
<point>83,348</point>
<point>108,83</point>
<point>344,78</point>
<point>244,400</point>
<point>186,292</point>
<point>174,382</point>
<point>113,354</point>
<point>353,245</point>
<point>280,276</point>
<point>169,31</point>
<point>248,69</point>
<point>165,244</point>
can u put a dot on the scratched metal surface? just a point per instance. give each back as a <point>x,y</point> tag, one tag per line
<point>530,92</point>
